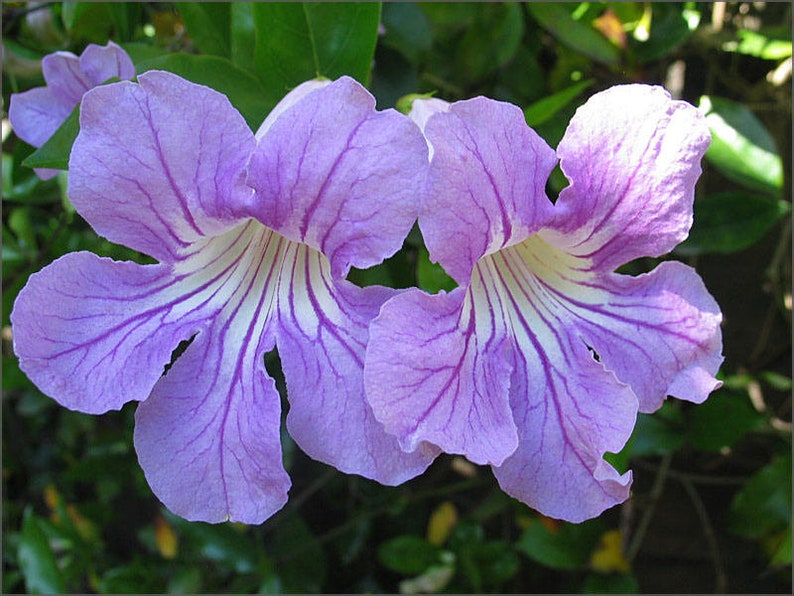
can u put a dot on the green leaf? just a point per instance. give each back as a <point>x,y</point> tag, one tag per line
<point>759,45</point>
<point>722,420</point>
<point>54,154</point>
<point>410,555</point>
<point>613,583</point>
<point>243,90</point>
<point>763,505</point>
<point>243,41</point>
<point>491,41</point>
<point>37,560</point>
<point>209,24</point>
<point>303,567</point>
<point>566,546</point>
<point>430,276</point>
<point>741,147</point>
<point>669,28</point>
<point>731,221</point>
<point>557,19</point>
<point>407,29</point>
<point>544,109</point>
<point>296,42</point>
<point>87,21</point>
<point>222,543</point>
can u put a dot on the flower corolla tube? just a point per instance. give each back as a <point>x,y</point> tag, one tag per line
<point>253,237</point>
<point>36,114</point>
<point>539,361</point>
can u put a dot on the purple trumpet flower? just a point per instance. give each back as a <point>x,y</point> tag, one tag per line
<point>538,363</point>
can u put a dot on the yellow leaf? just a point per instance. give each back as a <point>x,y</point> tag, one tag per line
<point>608,555</point>
<point>165,538</point>
<point>442,520</point>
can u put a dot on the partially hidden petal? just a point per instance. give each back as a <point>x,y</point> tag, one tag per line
<point>568,408</point>
<point>143,178</point>
<point>321,339</point>
<point>94,334</point>
<point>101,63</point>
<point>289,100</point>
<point>487,183</point>
<point>208,437</point>
<point>632,155</point>
<point>36,114</point>
<point>334,173</point>
<point>65,78</point>
<point>438,370</point>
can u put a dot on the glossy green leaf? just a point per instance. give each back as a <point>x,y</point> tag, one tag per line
<point>557,19</point>
<point>741,147</point>
<point>566,546</point>
<point>37,560</point>
<point>209,25</point>
<point>731,221</point>
<point>763,505</point>
<point>410,555</point>
<point>54,154</point>
<point>296,42</point>
<point>244,91</point>
<point>722,420</point>
<point>222,543</point>
<point>544,109</point>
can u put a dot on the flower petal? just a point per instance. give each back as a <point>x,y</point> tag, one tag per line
<point>658,332</point>
<point>101,63</point>
<point>632,155</point>
<point>208,437</point>
<point>94,334</point>
<point>65,78</point>
<point>487,183</point>
<point>36,114</point>
<point>321,340</point>
<point>568,408</point>
<point>569,412</point>
<point>437,370</point>
<point>144,179</point>
<point>333,173</point>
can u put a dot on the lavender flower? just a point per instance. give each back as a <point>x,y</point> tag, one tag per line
<point>538,363</point>
<point>161,166</point>
<point>36,114</point>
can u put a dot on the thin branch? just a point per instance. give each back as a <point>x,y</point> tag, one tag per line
<point>721,579</point>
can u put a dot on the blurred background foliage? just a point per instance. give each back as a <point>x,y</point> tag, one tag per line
<point>711,504</point>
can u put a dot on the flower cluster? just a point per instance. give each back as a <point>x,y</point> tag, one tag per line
<point>536,365</point>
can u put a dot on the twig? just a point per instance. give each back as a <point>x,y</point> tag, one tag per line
<point>721,580</point>
<point>647,516</point>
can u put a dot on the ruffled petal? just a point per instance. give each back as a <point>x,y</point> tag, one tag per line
<point>100,63</point>
<point>568,408</point>
<point>289,100</point>
<point>321,341</point>
<point>208,437</point>
<point>438,369</point>
<point>422,110</point>
<point>632,155</point>
<point>159,164</point>
<point>94,334</point>
<point>333,173</point>
<point>487,183</point>
<point>569,412</point>
<point>36,114</point>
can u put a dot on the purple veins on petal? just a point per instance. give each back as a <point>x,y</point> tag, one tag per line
<point>160,166</point>
<point>546,273</point>
<point>36,114</point>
